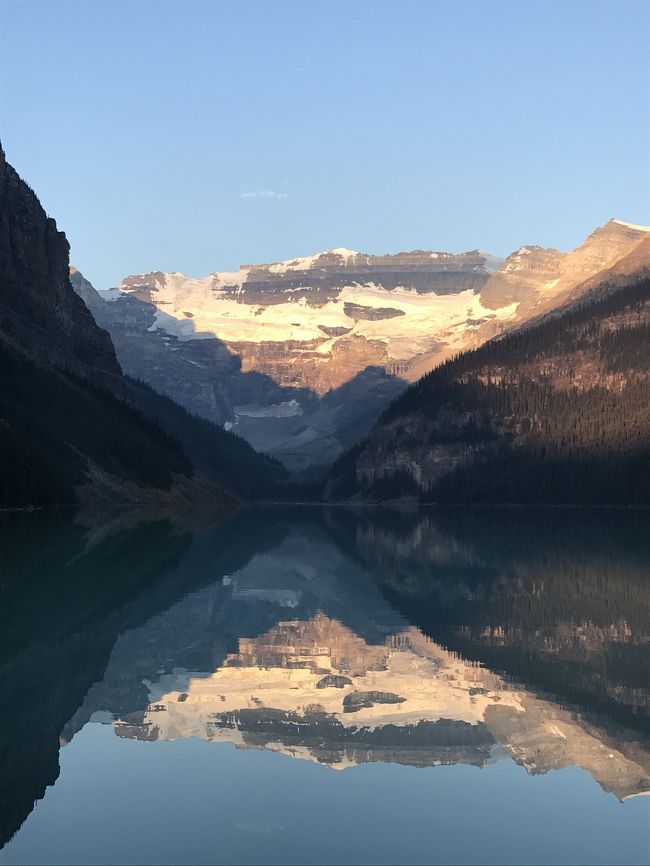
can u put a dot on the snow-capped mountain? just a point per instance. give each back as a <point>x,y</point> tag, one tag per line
<point>334,313</point>
<point>300,357</point>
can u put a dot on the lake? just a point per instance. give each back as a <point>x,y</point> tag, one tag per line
<point>313,685</point>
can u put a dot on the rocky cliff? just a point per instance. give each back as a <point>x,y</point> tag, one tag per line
<point>39,314</point>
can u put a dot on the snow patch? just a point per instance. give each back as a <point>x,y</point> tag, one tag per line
<point>300,264</point>
<point>304,263</point>
<point>491,263</point>
<point>223,279</point>
<point>344,253</point>
<point>427,319</point>
<point>110,295</point>
<point>287,409</point>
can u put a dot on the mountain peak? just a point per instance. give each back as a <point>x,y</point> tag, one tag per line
<point>304,263</point>
<point>637,228</point>
<point>342,251</point>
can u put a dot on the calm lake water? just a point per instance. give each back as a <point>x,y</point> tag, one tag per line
<point>307,685</point>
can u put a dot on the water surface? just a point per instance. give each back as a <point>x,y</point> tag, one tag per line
<point>315,685</point>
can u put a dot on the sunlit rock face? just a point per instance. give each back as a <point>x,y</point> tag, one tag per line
<point>318,321</point>
<point>539,279</point>
<point>301,356</point>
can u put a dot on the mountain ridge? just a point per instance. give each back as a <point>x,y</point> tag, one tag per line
<point>268,351</point>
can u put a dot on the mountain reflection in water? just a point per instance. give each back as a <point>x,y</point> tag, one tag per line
<point>336,636</point>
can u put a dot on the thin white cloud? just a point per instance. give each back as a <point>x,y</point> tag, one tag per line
<point>264,193</point>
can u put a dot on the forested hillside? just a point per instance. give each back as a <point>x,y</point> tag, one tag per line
<point>555,413</point>
<point>59,435</point>
<point>220,456</point>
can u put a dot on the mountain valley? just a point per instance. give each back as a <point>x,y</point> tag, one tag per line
<point>301,357</point>
<point>251,385</point>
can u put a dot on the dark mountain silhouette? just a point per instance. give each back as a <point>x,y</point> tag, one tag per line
<point>71,427</point>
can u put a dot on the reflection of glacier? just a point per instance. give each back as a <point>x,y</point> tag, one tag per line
<point>299,653</point>
<point>283,597</point>
<point>315,690</point>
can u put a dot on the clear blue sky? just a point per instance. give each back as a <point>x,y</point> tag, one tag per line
<point>380,126</point>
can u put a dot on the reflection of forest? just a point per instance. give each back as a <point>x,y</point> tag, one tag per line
<point>557,601</point>
<point>557,598</point>
<point>69,588</point>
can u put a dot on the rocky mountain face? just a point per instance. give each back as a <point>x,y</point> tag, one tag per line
<point>300,357</point>
<point>558,411</point>
<point>69,427</point>
<point>39,314</point>
<point>540,279</point>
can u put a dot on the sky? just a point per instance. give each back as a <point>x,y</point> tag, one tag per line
<point>198,136</point>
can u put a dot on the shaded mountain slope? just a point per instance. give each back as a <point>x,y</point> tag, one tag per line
<point>220,456</point>
<point>62,440</point>
<point>68,431</point>
<point>555,413</point>
<point>289,419</point>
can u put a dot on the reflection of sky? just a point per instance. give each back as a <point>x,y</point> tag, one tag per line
<point>121,801</point>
